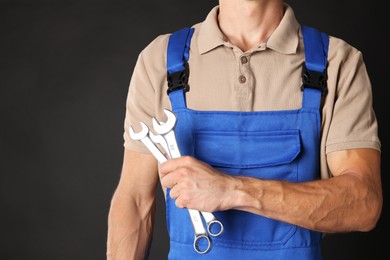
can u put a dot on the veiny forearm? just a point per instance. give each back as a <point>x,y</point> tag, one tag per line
<point>130,228</point>
<point>340,204</point>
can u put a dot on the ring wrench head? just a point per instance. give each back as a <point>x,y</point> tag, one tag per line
<point>215,227</point>
<point>202,244</point>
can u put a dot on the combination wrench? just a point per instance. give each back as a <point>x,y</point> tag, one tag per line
<point>214,226</point>
<point>143,136</point>
<point>158,139</point>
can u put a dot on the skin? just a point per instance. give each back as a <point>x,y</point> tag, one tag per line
<point>131,216</point>
<point>247,23</point>
<point>349,201</point>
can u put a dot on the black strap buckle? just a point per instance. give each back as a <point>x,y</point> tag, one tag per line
<point>178,80</point>
<point>314,79</point>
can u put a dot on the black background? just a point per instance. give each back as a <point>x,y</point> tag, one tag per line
<point>64,73</point>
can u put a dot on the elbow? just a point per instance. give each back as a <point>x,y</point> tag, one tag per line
<point>372,214</point>
<point>369,224</point>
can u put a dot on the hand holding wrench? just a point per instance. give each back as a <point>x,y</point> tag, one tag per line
<point>166,130</point>
<point>197,224</point>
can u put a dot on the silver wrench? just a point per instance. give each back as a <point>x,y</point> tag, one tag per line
<point>158,139</point>
<point>166,130</point>
<point>143,136</point>
<point>200,232</point>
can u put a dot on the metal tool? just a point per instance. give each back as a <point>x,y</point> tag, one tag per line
<point>200,232</point>
<point>158,139</point>
<point>214,226</point>
<point>143,136</point>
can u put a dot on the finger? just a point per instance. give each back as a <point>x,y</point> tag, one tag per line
<point>174,164</point>
<point>179,204</point>
<point>174,193</point>
<point>170,180</point>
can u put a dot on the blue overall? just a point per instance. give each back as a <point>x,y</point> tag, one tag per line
<point>277,145</point>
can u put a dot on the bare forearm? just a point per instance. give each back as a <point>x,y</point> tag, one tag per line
<point>349,201</point>
<point>130,229</point>
<point>338,204</point>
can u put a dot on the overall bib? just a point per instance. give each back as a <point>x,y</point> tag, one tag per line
<point>274,145</point>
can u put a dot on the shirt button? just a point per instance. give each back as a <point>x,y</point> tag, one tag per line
<point>242,79</point>
<point>244,59</point>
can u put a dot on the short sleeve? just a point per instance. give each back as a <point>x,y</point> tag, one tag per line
<point>139,104</point>
<point>353,121</point>
<point>146,96</point>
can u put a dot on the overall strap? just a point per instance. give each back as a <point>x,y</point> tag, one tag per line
<point>314,74</point>
<point>177,66</point>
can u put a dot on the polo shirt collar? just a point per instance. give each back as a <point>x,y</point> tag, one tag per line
<point>210,35</point>
<point>284,39</point>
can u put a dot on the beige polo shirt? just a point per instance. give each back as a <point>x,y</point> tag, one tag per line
<point>267,77</point>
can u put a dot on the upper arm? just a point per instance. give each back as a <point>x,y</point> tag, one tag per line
<point>363,163</point>
<point>139,176</point>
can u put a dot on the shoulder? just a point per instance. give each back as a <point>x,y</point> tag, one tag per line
<point>346,67</point>
<point>155,50</point>
<point>155,53</point>
<point>341,51</point>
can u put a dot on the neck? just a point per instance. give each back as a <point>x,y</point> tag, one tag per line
<point>246,23</point>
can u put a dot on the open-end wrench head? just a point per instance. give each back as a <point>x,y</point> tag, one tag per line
<point>163,128</point>
<point>139,135</point>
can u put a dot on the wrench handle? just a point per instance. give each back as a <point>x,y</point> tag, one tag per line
<point>154,150</point>
<point>172,144</point>
<point>196,221</point>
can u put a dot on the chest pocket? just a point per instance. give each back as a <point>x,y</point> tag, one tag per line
<point>268,155</point>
